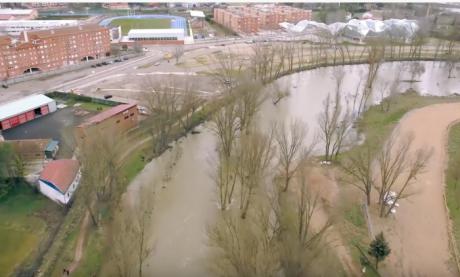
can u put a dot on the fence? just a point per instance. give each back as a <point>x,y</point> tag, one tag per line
<point>82,98</point>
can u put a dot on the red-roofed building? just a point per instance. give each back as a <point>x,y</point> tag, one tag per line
<point>120,119</point>
<point>59,180</point>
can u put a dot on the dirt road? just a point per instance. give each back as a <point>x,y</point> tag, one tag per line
<point>418,233</point>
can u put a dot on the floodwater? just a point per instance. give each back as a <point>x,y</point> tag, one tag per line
<point>184,206</point>
<point>187,203</point>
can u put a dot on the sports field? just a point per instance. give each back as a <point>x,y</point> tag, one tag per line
<point>151,23</point>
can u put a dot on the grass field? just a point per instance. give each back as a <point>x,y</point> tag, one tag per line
<point>21,227</point>
<point>453,180</point>
<point>376,124</point>
<point>154,23</point>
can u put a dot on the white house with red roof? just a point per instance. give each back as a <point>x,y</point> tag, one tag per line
<point>59,180</point>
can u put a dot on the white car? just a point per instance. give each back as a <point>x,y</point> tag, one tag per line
<point>143,110</point>
<point>157,64</point>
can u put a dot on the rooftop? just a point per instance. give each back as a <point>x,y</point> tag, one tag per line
<point>16,11</point>
<point>133,32</point>
<point>107,114</point>
<point>64,31</point>
<point>194,13</point>
<point>23,105</point>
<point>60,173</point>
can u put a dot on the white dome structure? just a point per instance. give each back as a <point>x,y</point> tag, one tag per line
<point>358,30</point>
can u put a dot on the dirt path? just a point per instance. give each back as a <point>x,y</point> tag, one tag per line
<point>329,193</point>
<point>418,233</point>
<point>80,243</point>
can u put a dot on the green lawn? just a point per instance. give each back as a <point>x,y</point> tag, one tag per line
<point>453,180</point>
<point>88,106</point>
<point>377,124</point>
<point>154,23</point>
<point>21,228</point>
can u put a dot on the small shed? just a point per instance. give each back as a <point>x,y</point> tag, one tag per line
<point>51,149</point>
<point>59,180</point>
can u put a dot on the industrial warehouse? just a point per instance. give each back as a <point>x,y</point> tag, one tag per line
<point>26,109</point>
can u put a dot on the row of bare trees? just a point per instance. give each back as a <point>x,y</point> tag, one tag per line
<point>391,169</point>
<point>263,228</point>
<point>277,234</point>
<point>171,104</point>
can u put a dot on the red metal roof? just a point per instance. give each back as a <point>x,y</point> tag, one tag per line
<point>60,173</point>
<point>107,114</point>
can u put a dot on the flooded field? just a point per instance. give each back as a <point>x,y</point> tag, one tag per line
<point>185,201</point>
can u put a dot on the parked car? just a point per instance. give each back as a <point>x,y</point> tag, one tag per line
<point>108,96</point>
<point>4,86</point>
<point>104,63</point>
<point>98,64</point>
<point>125,58</point>
<point>157,64</point>
<point>117,60</point>
<point>93,65</point>
<point>143,110</point>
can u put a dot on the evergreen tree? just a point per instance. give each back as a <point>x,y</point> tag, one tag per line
<point>379,249</point>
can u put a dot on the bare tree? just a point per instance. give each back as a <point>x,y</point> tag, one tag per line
<point>388,91</point>
<point>415,69</point>
<point>162,98</point>
<point>358,167</point>
<point>299,240</point>
<point>178,52</point>
<point>254,155</point>
<point>101,177</point>
<point>246,248</point>
<point>268,61</point>
<point>333,122</point>
<point>141,227</point>
<point>227,70</point>
<point>248,98</point>
<point>189,104</point>
<point>226,127</point>
<point>398,169</point>
<point>291,150</point>
<point>123,249</point>
<point>278,92</point>
<point>375,56</point>
<point>132,237</point>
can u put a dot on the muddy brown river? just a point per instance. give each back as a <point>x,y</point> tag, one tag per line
<point>186,201</point>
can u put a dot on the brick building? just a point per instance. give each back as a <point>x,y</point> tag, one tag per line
<point>51,49</point>
<point>118,119</point>
<point>255,18</point>
<point>18,14</point>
